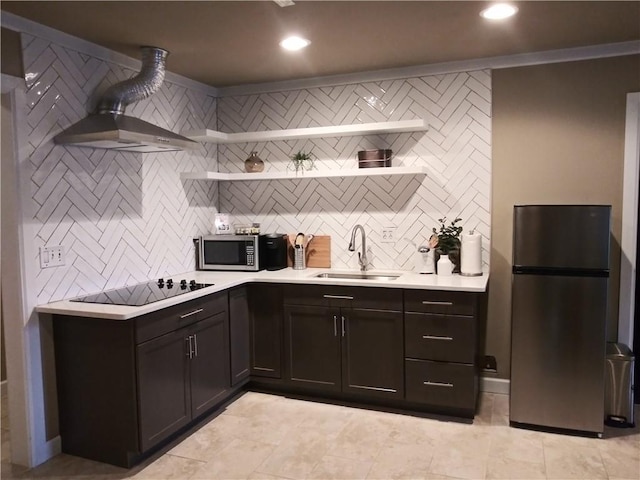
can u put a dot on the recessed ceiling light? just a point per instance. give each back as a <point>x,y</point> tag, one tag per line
<point>499,11</point>
<point>294,43</point>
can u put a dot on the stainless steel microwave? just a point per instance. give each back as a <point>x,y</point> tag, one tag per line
<point>228,252</point>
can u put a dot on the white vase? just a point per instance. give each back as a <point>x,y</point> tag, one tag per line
<point>445,267</point>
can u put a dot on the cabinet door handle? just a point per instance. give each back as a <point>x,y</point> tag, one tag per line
<point>195,344</point>
<point>429,302</point>
<point>436,337</point>
<point>339,297</point>
<point>335,325</point>
<point>191,313</point>
<point>189,348</point>
<point>438,384</point>
<point>342,325</point>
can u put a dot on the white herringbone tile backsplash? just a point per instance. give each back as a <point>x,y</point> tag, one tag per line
<point>456,151</point>
<point>122,217</point>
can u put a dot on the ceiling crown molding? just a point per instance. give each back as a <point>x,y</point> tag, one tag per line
<point>492,63</point>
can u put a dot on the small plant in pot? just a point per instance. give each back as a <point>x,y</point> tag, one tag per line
<point>449,241</point>
<point>302,161</point>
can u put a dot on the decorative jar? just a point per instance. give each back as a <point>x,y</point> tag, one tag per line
<point>254,164</point>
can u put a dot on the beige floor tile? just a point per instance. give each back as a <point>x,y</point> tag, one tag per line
<point>517,444</point>
<point>621,459</point>
<point>509,469</point>
<point>485,410</point>
<point>203,444</point>
<point>409,430</point>
<point>337,468</point>
<point>297,455</point>
<point>363,436</point>
<point>327,419</point>
<point>500,404</point>
<point>237,460</point>
<point>474,440</point>
<point>568,461</point>
<point>69,466</point>
<point>263,428</point>
<point>402,461</point>
<point>168,467</point>
<point>10,471</point>
<point>457,464</point>
<point>265,476</point>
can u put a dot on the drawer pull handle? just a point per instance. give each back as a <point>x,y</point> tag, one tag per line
<point>335,325</point>
<point>195,344</point>
<point>438,384</point>
<point>436,337</point>
<point>339,297</point>
<point>191,313</point>
<point>445,304</point>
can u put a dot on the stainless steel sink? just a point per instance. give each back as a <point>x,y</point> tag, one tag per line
<point>359,276</point>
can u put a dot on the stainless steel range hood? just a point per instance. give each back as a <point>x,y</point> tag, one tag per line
<point>111,129</point>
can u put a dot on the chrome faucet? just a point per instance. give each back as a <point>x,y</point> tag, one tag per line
<point>362,258</point>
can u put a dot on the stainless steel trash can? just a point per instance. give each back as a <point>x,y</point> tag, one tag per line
<point>618,400</point>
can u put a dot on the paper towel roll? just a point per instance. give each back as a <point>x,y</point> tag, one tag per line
<point>471,254</point>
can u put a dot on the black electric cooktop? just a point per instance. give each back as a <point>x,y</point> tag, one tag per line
<point>144,293</point>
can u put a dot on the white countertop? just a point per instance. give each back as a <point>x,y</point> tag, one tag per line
<point>225,280</point>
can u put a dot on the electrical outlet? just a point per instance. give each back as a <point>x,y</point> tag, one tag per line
<point>389,234</point>
<point>490,364</point>
<point>52,256</point>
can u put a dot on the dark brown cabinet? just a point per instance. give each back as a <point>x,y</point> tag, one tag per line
<point>313,347</point>
<point>163,387</point>
<point>239,328</point>
<point>124,386</point>
<point>346,340</point>
<point>265,317</point>
<point>441,349</point>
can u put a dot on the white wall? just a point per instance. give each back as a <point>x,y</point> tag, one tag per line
<point>122,217</point>
<point>456,151</point>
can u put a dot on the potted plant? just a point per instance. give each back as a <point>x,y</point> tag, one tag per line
<point>448,241</point>
<point>302,161</point>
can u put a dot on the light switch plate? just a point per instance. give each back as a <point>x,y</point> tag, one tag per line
<point>52,256</point>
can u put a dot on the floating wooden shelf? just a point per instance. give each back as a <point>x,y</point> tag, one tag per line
<point>213,136</point>
<point>280,175</point>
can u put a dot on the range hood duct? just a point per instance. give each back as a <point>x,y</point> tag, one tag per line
<point>110,128</point>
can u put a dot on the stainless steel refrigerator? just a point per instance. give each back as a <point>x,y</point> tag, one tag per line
<point>558,315</point>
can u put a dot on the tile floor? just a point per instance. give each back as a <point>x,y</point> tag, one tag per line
<point>263,436</point>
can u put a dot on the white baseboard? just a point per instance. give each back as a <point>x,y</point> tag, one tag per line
<point>494,385</point>
<point>3,387</point>
<point>48,450</point>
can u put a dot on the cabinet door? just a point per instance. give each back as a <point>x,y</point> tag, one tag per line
<point>164,402</point>
<point>372,349</point>
<point>239,332</point>
<point>265,307</point>
<point>313,347</point>
<point>210,372</point>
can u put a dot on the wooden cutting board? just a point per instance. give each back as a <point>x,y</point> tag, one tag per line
<point>318,251</point>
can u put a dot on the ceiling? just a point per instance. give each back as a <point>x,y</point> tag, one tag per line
<point>229,43</point>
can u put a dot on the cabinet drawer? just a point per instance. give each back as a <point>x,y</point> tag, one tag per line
<point>344,297</point>
<point>449,385</point>
<point>436,301</point>
<point>166,320</point>
<point>446,338</point>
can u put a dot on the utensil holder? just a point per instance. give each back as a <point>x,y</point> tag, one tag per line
<point>299,258</point>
